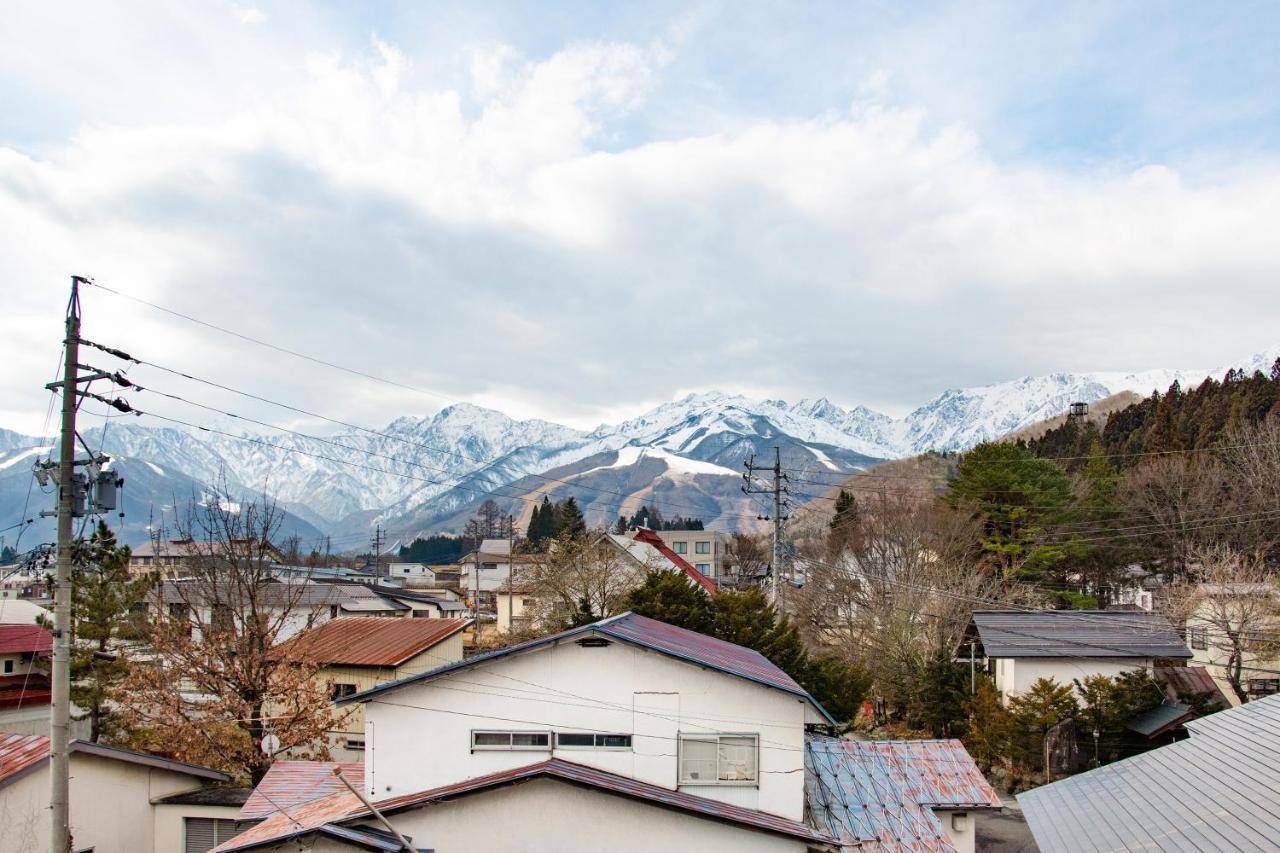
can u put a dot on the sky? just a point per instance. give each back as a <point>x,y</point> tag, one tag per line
<point>576,211</point>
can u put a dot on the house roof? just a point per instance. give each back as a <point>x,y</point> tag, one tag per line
<point>1160,719</point>
<point>1217,790</point>
<point>28,689</point>
<point>643,534</point>
<point>642,631</point>
<point>1182,681</point>
<point>22,753</point>
<point>25,638</point>
<point>1077,634</point>
<point>372,640</point>
<point>294,593</point>
<point>210,795</point>
<point>336,809</point>
<point>884,792</point>
<point>289,784</point>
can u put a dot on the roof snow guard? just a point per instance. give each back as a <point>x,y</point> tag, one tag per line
<point>637,630</point>
<point>884,792</point>
<point>1077,634</point>
<point>1218,790</point>
<point>337,813</point>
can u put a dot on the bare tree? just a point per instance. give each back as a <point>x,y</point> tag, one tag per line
<point>1230,605</point>
<point>216,683</point>
<point>1252,459</point>
<point>580,579</point>
<point>1178,504</point>
<point>747,556</point>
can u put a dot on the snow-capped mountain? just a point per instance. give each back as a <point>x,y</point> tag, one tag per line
<point>417,474</point>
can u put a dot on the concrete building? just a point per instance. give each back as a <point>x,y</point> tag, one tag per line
<point>706,550</point>
<point>170,558</point>
<point>121,801</point>
<point>1223,609</point>
<point>1020,647</point>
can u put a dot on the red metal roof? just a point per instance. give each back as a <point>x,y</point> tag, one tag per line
<point>17,691</point>
<point>372,640</point>
<point>291,783</point>
<point>647,536</point>
<point>343,806</point>
<point>25,638</point>
<point>21,752</point>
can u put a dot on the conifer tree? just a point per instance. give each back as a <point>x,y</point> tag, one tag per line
<point>568,519</point>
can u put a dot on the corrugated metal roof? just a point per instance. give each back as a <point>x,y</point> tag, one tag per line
<point>19,753</point>
<point>647,633</point>
<point>343,807</point>
<point>1218,790</point>
<point>17,691</point>
<point>1159,719</point>
<point>291,783</point>
<point>25,638</point>
<point>372,640</point>
<point>288,593</point>
<point>1189,680</point>
<point>884,792</point>
<point>1077,634</point>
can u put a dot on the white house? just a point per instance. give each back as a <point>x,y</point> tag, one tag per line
<point>1019,647</point>
<point>1250,611</point>
<point>121,801</point>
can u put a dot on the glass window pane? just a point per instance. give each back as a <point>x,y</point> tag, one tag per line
<point>615,741</point>
<point>737,759</point>
<point>492,738</point>
<point>697,760</point>
<point>568,739</point>
<point>530,739</point>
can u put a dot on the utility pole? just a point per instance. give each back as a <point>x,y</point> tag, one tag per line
<point>511,573</point>
<point>777,581</point>
<point>60,725</point>
<point>377,551</point>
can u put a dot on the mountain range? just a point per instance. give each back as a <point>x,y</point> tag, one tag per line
<point>420,475</point>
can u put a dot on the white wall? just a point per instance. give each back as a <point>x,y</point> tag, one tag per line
<point>110,806</point>
<point>419,737</point>
<point>546,816</point>
<point>169,829</point>
<point>1016,675</point>
<point>964,840</point>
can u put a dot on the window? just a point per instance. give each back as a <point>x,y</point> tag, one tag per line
<point>680,547</point>
<point>341,690</point>
<point>702,547</point>
<point>1198,637</point>
<point>587,740</point>
<point>355,743</point>
<point>705,568</point>
<point>718,759</point>
<point>8,666</point>
<point>201,834</point>
<point>1262,686</point>
<point>536,741</point>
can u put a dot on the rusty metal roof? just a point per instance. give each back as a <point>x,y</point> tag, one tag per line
<point>25,638</point>
<point>681,643</point>
<point>1182,681</point>
<point>291,783</point>
<point>372,640</point>
<point>29,689</point>
<point>884,792</point>
<point>20,753</point>
<point>340,808</point>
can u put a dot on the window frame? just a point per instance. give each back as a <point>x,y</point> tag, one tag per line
<point>340,691</point>
<point>681,547</point>
<point>703,547</point>
<point>717,737</point>
<point>1198,638</point>
<point>703,568</point>
<point>597,744</point>
<point>511,747</point>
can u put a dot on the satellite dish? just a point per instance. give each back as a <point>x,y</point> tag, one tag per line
<point>270,744</point>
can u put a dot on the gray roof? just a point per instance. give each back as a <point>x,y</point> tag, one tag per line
<point>1161,718</point>
<point>300,594</point>
<point>1077,634</point>
<point>1218,791</point>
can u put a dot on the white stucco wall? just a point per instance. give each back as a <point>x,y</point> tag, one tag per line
<point>1016,675</point>
<point>546,816</point>
<point>110,806</point>
<point>965,839</point>
<point>419,737</point>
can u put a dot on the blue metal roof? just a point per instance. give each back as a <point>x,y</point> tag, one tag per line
<point>884,792</point>
<point>1218,790</point>
<point>642,631</point>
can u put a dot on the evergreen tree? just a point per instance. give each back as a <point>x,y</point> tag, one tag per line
<point>542,524</point>
<point>568,519</point>
<point>669,597</point>
<point>104,597</point>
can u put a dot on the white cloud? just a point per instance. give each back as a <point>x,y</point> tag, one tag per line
<point>249,15</point>
<point>494,239</point>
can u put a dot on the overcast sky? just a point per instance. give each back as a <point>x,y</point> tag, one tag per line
<point>576,211</point>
